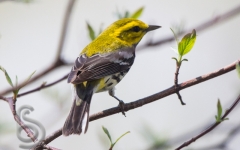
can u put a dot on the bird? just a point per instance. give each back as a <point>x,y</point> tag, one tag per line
<point>101,65</point>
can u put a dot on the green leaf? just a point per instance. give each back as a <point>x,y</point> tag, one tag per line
<point>137,13</point>
<point>91,32</point>
<point>106,132</point>
<point>238,69</point>
<point>175,59</point>
<point>219,107</point>
<point>219,112</point>
<point>119,138</point>
<point>7,76</point>
<point>187,43</point>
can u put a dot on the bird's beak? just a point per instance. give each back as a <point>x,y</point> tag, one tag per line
<point>152,27</point>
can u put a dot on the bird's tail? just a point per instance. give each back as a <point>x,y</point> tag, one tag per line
<point>78,118</point>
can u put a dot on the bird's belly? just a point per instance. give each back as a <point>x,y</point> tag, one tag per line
<point>109,82</point>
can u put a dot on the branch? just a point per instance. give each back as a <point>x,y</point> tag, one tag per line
<point>211,127</point>
<point>64,28</point>
<point>223,144</point>
<point>30,134</point>
<point>178,65</point>
<point>58,60</point>
<point>149,99</point>
<point>203,26</point>
<point>42,87</point>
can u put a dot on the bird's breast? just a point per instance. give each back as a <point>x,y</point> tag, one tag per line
<point>110,81</point>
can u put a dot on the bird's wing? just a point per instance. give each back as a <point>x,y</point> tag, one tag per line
<point>101,65</point>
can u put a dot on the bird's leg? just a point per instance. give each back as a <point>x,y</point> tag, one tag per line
<point>121,103</point>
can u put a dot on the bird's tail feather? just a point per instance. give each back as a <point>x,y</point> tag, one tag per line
<point>78,118</point>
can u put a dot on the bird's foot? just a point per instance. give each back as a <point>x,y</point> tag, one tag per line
<point>121,105</point>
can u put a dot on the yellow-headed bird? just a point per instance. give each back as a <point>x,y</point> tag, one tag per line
<point>101,65</point>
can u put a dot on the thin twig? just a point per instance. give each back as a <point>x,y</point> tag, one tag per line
<point>224,142</point>
<point>48,139</point>
<point>211,127</point>
<point>203,26</point>
<point>36,77</point>
<point>149,99</point>
<point>64,28</point>
<point>30,134</point>
<point>42,86</point>
<point>178,65</point>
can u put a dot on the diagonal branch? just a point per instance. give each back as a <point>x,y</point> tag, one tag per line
<point>42,86</point>
<point>224,142</point>
<point>64,28</point>
<point>149,99</point>
<point>30,134</point>
<point>178,65</point>
<point>211,127</point>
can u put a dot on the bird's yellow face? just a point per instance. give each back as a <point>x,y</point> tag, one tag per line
<point>129,30</point>
<point>125,32</point>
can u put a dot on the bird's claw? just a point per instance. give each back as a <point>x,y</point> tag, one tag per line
<point>121,105</point>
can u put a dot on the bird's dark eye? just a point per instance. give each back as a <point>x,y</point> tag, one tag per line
<point>136,28</point>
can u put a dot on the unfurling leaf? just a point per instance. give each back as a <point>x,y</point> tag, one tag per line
<point>119,138</point>
<point>219,112</point>
<point>91,32</point>
<point>109,137</point>
<point>175,59</point>
<point>106,132</point>
<point>187,42</point>
<point>219,108</point>
<point>137,13</point>
<point>7,76</point>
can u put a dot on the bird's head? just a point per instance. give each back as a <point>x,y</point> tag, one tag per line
<point>129,31</point>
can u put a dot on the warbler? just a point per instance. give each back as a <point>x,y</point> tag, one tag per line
<point>101,65</point>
